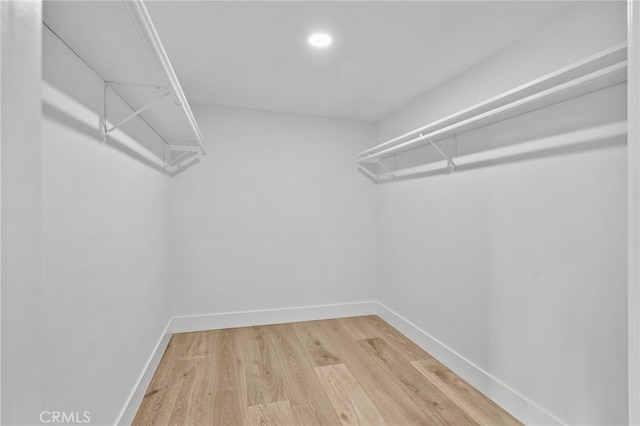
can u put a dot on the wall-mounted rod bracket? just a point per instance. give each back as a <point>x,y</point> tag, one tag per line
<point>451,166</point>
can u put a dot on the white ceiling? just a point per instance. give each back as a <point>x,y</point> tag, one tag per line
<point>255,54</point>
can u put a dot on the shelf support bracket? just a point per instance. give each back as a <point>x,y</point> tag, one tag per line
<point>386,169</point>
<point>451,166</point>
<point>136,113</point>
<point>133,114</point>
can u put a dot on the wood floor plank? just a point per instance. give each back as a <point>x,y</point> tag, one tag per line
<point>192,402</point>
<point>171,404</point>
<point>349,400</point>
<point>160,395</point>
<point>263,377</point>
<point>478,406</point>
<point>394,404</point>
<point>229,400</point>
<point>280,374</point>
<point>310,404</point>
<point>396,339</point>
<point>271,414</point>
<point>437,406</point>
<point>194,345</point>
<point>320,350</point>
<point>358,327</point>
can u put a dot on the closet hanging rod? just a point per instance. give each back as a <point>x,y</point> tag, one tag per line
<point>142,20</point>
<point>600,79</point>
<point>614,54</point>
<point>569,140</point>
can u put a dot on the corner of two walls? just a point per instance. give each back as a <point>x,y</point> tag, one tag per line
<point>516,273</point>
<point>275,219</point>
<point>265,224</point>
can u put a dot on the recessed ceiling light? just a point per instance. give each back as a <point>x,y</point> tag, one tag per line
<point>320,40</point>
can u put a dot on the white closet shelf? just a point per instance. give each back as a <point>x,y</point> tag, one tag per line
<point>119,42</point>
<point>599,71</point>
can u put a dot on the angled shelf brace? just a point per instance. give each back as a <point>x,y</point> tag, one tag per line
<point>388,172</point>
<point>136,113</point>
<point>450,164</point>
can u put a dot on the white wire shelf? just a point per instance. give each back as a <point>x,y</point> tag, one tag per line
<point>564,141</point>
<point>599,71</point>
<point>126,53</point>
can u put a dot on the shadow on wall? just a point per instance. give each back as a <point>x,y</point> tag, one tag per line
<point>61,108</point>
<point>93,131</point>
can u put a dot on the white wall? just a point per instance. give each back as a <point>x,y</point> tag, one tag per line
<point>633,161</point>
<point>1,14</point>
<point>21,194</point>
<point>276,216</point>
<point>568,38</point>
<point>106,250</point>
<point>521,267</point>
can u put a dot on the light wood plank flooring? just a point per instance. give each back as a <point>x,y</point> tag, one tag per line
<point>351,371</point>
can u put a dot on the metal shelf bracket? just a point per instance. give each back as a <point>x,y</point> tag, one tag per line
<point>451,166</point>
<point>135,113</point>
<point>388,171</point>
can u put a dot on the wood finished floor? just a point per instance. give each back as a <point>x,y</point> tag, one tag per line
<point>352,371</point>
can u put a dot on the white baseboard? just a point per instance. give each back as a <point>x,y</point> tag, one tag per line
<point>270,316</point>
<point>230,320</point>
<point>518,405</point>
<point>135,398</point>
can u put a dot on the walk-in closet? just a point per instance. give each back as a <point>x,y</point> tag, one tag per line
<point>318,213</point>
